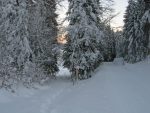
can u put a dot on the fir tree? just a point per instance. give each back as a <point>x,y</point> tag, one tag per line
<point>81,52</point>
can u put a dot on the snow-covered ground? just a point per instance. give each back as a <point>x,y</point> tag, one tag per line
<point>112,89</point>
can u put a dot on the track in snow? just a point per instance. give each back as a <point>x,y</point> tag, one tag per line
<point>113,89</point>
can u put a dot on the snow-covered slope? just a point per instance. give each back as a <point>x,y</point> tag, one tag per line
<point>113,89</point>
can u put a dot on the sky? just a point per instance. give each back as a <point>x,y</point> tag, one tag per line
<point>119,6</point>
<point>61,10</point>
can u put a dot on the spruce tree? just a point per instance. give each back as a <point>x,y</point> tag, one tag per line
<point>27,39</point>
<point>141,42</point>
<point>107,14</point>
<point>135,48</point>
<point>146,25</point>
<point>109,45</point>
<point>15,51</point>
<point>42,27</point>
<point>129,31</point>
<point>82,49</point>
<point>119,44</point>
<point>14,32</point>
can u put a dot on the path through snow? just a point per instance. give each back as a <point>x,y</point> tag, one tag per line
<point>113,89</point>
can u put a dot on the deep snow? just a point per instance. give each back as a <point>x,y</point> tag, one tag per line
<point>113,89</point>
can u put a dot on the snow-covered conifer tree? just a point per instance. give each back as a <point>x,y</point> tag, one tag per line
<point>106,15</point>
<point>119,44</point>
<point>81,53</point>
<point>15,50</point>
<point>109,44</point>
<point>27,39</point>
<point>14,31</point>
<point>135,48</point>
<point>42,27</point>
<point>141,41</point>
<point>129,30</point>
<point>146,24</point>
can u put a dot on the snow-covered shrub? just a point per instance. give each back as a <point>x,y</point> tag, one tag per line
<point>8,76</point>
<point>148,59</point>
<point>50,68</point>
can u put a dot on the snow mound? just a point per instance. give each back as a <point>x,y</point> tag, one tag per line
<point>148,59</point>
<point>119,61</point>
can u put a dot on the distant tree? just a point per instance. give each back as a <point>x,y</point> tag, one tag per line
<point>81,51</point>
<point>107,15</point>
<point>119,44</point>
<point>109,43</point>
